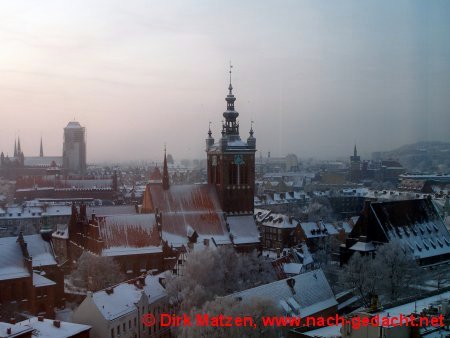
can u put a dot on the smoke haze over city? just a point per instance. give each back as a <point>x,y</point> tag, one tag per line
<point>315,77</point>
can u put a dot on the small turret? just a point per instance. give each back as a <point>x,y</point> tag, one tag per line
<point>209,139</point>
<point>165,180</point>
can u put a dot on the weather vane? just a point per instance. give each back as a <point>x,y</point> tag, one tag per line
<point>231,66</point>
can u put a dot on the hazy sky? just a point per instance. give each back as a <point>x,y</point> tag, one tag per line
<point>315,76</point>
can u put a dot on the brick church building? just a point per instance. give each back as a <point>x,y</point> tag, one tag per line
<point>220,211</point>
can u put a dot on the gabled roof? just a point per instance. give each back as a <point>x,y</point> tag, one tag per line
<point>415,223</point>
<point>40,251</point>
<point>121,299</point>
<point>12,264</point>
<point>243,229</point>
<point>309,295</point>
<point>187,207</point>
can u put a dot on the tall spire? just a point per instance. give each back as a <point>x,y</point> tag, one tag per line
<point>355,152</point>
<point>15,148</point>
<point>165,179</point>
<point>18,146</point>
<point>41,151</point>
<point>231,126</point>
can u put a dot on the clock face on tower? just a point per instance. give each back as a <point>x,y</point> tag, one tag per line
<point>238,160</point>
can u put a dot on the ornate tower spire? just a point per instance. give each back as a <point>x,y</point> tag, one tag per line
<point>19,150</point>
<point>41,151</point>
<point>165,179</point>
<point>355,152</point>
<point>15,148</point>
<point>231,126</point>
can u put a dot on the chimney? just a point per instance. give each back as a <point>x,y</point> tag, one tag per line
<point>291,283</point>
<point>57,323</point>
<point>142,280</point>
<point>206,242</point>
<point>41,318</point>
<point>8,330</point>
<point>12,320</point>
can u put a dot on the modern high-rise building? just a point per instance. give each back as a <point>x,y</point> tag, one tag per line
<point>74,148</point>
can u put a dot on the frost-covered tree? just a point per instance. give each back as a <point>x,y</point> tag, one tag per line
<point>210,273</point>
<point>95,272</point>
<point>233,309</point>
<point>320,210</point>
<point>397,269</point>
<point>360,274</point>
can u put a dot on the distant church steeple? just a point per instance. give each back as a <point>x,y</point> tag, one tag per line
<point>355,152</point>
<point>41,151</point>
<point>15,148</point>
<point>165,180</point>
<point>19,150</point>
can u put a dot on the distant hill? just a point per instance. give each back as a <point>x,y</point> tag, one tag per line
<point>420,156</point>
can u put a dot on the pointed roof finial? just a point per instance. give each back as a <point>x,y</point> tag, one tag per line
<point>230,87</point>
<point>209,129</point>
<point>251,128</point>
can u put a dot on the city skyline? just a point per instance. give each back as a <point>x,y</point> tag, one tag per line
<point>314,77</point>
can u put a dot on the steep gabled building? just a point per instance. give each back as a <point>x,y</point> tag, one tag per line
<point>414,223</point>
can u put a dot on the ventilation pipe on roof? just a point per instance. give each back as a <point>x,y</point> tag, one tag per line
<point>57,323</point>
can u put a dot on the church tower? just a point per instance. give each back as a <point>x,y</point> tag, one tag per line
<point>231,162</point>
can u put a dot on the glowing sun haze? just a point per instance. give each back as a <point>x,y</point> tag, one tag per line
<point>314,75</point>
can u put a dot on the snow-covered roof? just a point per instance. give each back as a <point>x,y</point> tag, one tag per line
<point>188,206</point>
<point>260,214</point>
<point>292,268</point>
<point>243,229</point>
<point>89,184</point>
<point>416,306</point>
<point>16,330</point>
<point>62,231</point>
<point>110,210</point>
<point>363,246</point>
<point>129,234</point>
<point>12,264</point>
<point>119,302</point>
<point>39,280</point>
<point>121,299</point>
<point>11,254</point>
<point>40,250</point>
<point>47,329</point>
<point>309,295</point>
<point>45,161</point>
<point>318,229</point>
<point>416,224</point>
<point>325,332</point>
<point>279,221</point>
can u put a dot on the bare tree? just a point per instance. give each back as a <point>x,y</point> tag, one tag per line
<point>95,272</point>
